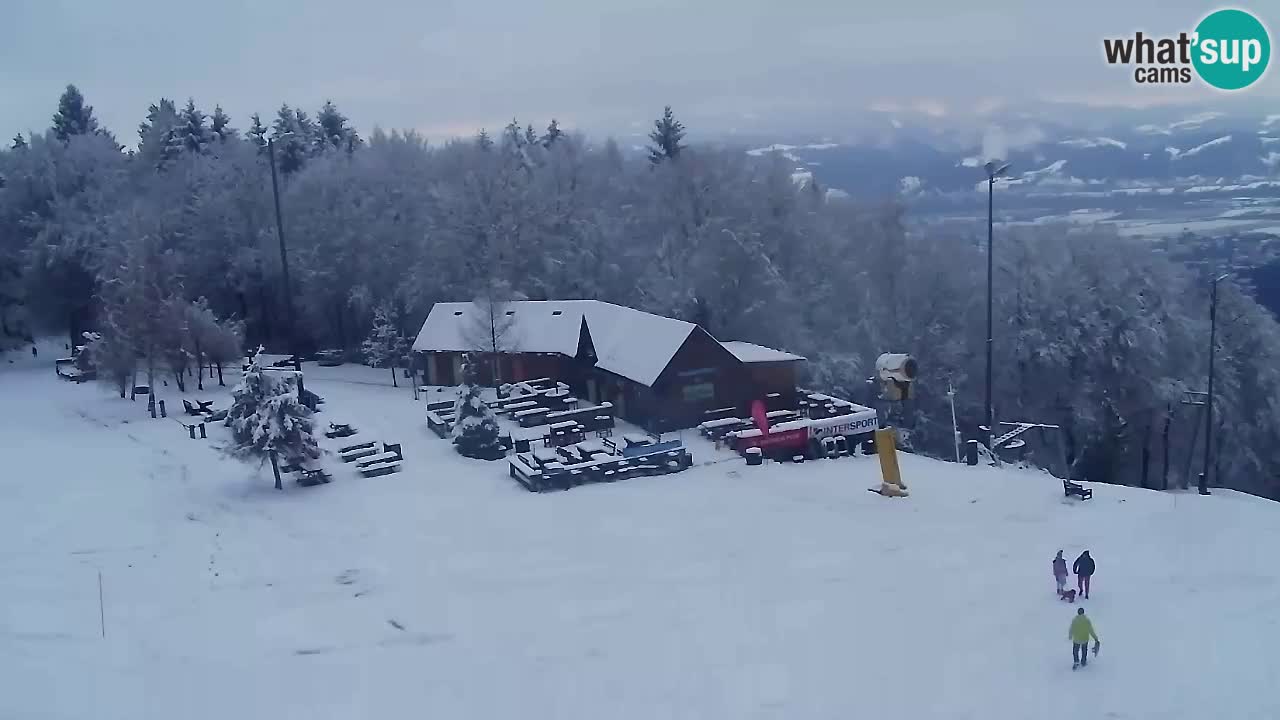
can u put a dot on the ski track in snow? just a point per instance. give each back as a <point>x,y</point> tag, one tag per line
<point>785,591</point>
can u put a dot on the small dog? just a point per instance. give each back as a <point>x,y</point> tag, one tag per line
<point>1068,595</point>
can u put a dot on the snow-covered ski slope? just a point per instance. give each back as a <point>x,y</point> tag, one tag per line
<point>446,591</point>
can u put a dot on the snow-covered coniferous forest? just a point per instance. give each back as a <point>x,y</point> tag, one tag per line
<point>172,242</point>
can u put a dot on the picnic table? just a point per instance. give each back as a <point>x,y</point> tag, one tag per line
<point>634,439</point>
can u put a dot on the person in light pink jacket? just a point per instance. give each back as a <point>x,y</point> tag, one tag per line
<point>1060,571</point>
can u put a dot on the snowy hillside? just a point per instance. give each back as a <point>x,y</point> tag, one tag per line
<point>446,591</point>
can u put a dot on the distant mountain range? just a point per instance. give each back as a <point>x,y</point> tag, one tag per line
<point>1171,160</point>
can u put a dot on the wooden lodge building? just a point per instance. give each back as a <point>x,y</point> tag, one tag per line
<point>659,373</point>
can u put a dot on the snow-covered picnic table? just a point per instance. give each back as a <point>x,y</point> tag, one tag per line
<point>637,439</point>
<point>545,455</point>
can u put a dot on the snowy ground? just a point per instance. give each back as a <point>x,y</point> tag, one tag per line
<point>446,591</point>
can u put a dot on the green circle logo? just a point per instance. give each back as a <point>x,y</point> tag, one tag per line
<point>1231,49</point>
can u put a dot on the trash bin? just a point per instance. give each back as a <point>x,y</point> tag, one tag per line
<point>971,452</point>
<point>754,456</point>
<point>522,445</point>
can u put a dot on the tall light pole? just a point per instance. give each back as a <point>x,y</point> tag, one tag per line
<point>284,267</point>
<point>993,172</point>
<point>1208,416</point>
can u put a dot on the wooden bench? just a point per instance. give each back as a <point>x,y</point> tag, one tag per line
<point>1070,489</point>
<point>309,477</point>
<point>339,430</point>
<point>355,452</point>
<point>383,463</point>
<point>390,451</point>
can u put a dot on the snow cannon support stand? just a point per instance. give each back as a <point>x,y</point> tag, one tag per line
<point>891,478</point>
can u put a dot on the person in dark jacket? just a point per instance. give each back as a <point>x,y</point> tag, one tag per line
<point>1083,568</point>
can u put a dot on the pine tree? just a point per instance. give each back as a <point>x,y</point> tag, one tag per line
<point>267,419</point>
<point>74,117</point>
<point>553,134</point>
<point>291,138</point>
<point>220,125</point>
<point>475,428</point>
<point>511,135</point>
<point>159,140</point>
<point>308,131</point>
<point>257,134</point>
<point>530,137</point>
<point>483,141</point>
<point>333,129</point>
<point>19,142</point>
<point>666,136</point>
<point>384,347</point>
<point>192,131</point>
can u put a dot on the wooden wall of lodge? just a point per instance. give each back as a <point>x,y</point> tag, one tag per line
<point>674,400</point>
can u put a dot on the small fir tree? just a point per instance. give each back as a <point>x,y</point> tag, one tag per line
<point>475,429</point>
<point>267,420</point>
<point>666,136</point>
<point>385,346</point>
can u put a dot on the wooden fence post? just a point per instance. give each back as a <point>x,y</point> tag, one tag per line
<point>163,414</point>
<point>202,435</point>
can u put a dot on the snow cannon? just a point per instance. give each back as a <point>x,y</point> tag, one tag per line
<point>896,372</point>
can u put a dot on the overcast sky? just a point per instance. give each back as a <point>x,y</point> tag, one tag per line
<point>447,67</point>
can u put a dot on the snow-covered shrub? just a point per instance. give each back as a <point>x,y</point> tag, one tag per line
<point>267,419</point>
<point>475,428</point>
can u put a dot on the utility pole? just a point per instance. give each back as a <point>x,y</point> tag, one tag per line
<point>1208,416</point>
<point>284,270</point>
<point>993,172</point>
<point>955,429</point>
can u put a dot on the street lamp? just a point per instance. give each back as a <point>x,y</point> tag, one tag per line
<point>993,172</point>
<point>284,266</point>
<point>1208,416</point>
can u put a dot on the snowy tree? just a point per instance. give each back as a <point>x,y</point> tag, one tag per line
<point>483,141</point>
<point>385,346</point>
<point>19,142</point>
<point>159,136</point>
<point>665,138</point>
<point>291,134</point>
<point>553,134</point>
<point>267,420</point>
<point>257,133</point>
<point>223,344</point>
<point>220,125</point>
<point>74,117</point>
<point>193,133</point>
<point>490,325</point>
<point>333,130</point>
<point>475,428</point>
<point>111,356</point>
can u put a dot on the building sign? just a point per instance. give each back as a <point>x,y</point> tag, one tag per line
<point>700,392</point>
<point>797,438</point>
<point>855,424</point>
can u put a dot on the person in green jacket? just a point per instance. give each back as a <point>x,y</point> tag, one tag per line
<point>1080,632</point>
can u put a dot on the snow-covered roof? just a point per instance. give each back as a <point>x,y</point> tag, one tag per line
<point>630,343</point>
<point>752,353</point>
